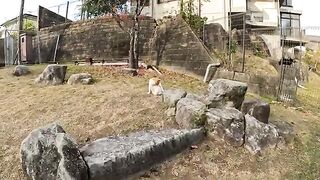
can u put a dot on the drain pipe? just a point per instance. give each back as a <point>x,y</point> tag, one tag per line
<point>205,80</point>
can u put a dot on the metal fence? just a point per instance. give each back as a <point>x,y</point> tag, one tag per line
<point>10,48</point>
<point>254,46</point>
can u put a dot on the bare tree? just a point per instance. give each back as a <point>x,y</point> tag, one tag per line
<point>101,7</point>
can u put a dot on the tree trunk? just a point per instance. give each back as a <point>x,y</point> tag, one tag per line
<point>131,51</point>
<point>136,42</point>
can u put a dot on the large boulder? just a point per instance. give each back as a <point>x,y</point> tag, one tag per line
<point>190,113</point>
<point>226,124</point>
<point>172,96</point>
<point>49,153</point>
<point>21,70</point>
<point>258,109</point>
<point>81,78</point>
<point>53,75</point>
<point>226,93</point>
<point>259,136</point>
<point>118,157</point>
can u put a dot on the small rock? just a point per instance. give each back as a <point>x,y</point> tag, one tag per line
<point>226,93</point>
<point>259,136</point>
<point>172,96</point>
<point>190,113</point>
<point>226,124</point>
<point>171,112</point>
<point>285,131</point>
<point>21,70</point>
<point>81,78</point>
<point>194,147</point>
<point>53,75</point>
<point>258,109</point>
<point>49,153</point>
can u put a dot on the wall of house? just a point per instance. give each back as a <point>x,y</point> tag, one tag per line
<point>158,11</point>
<point>215,10</point>
<point>15,26</point>
<point>269,8</point>
<point>100,39</point>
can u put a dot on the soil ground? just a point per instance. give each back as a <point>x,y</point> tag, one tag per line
<point>119,104</point>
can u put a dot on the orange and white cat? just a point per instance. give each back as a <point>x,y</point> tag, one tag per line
<point>155,86</point>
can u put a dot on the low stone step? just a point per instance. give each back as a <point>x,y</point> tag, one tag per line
<point>121,156</point>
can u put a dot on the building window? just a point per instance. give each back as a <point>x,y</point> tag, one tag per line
<point>286,3</point>
<point>290,24</point>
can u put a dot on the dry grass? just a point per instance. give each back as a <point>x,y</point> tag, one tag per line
<point>118,104</point>
<point>115,104</point>
<point>255,65</point>
<point>310,97</point>
<point>215,160</point>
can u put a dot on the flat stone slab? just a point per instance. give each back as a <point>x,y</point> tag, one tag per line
<point>121,156</point>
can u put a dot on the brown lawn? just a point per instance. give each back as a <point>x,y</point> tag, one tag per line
<point>119,104</point>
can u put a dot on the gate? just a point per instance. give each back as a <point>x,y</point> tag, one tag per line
<point>10,48</point>
<point>292,44</point>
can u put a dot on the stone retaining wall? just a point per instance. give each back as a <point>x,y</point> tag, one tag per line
<point>100,39</point>
<point>176,47</point>
<point>259,84</point>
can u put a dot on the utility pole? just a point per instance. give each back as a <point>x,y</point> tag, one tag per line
<point>67,11</point>
<point>199,8</point>
<point>243,42</point>
<point>230,33</point>
<point>81,12</point>
<point>20,30</point>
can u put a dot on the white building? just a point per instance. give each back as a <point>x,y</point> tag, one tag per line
<point>215,10</point>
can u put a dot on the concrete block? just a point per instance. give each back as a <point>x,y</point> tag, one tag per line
<point>121,156</point>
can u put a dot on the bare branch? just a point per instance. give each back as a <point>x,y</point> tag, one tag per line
<point>142,6</point>
<point>116,16</point>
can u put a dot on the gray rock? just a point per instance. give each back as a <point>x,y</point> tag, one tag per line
<point>226,124</point>
<point>171,112</point>
<point>259,136</point>
<point>201,98</point>
<point>21,70</point>
<point>118,157</point>
<point>172,96</point>
<point>285,130</point>
<point>190,113</point>
<point>81,78</point>
<point>49,153</point>
<point>258,109</point>
<point>226,93</point>
<point>53,75</point>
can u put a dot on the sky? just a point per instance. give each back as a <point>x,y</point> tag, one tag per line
<point>10,9</point>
